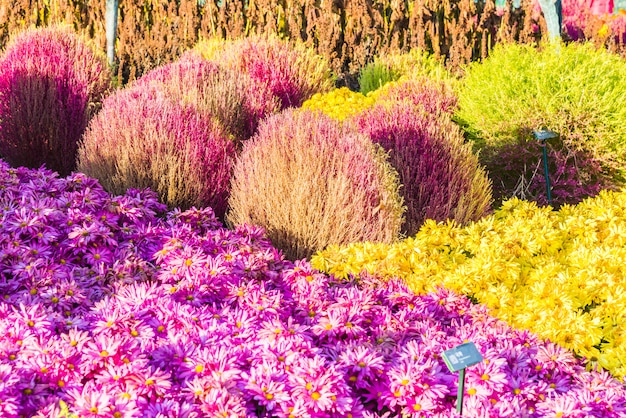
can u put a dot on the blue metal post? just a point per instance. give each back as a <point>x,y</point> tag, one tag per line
<point>111,29</point>
<point>459,395</point>
<point>546,173</point>
<point>552,12</point>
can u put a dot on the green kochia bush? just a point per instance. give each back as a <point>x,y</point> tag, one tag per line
<point>142,138</point>
<point>440,175</point>
<point>391,67</point>
<point>574,90</point>
<point>375,75</point>
<point>51,83</point>
<point>311,182</point>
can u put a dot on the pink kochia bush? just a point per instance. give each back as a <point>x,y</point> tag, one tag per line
<point>440,175</point>
<point>142,138</point>
<point>292,71</point>
<point>51,82</point>
<point>311,183</point>
<point>434,96</point>
<point>230,97</point>
<point>113,307</point>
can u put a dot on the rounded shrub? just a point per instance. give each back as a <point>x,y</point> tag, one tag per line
<point>434,96</point>
<point>51,84</point>
<point>143,139</point>
<point>574,90</point>
<point>440,175</point>
<point>292,71</point>
<point>339,103</point>
<point>310,182</point>
<point>232,98</point>
<point>391,67</point>
<point>375,75</point>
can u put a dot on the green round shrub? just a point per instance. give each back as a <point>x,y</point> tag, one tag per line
<point>391,67</point>
<point>575,90</point>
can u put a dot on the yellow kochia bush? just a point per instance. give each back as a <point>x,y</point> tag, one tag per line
<point>560,274</point>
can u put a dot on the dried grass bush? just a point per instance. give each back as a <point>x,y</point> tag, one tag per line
<point>440,175</point>
<point>233,99</point>
<point>143,139</point>
<point>51,83</point>
<point>311,182</point>
<point>348,34</point>
<point>292,71</point>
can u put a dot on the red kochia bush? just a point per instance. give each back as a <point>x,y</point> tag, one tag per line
<point>441,177</point>
<point>141,138</point>
<point>51,82</point>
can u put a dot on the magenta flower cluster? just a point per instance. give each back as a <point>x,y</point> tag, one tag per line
<point>114,307</point>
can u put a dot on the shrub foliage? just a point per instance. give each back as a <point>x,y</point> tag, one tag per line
<point>292,71</point>
<point>51,82</point>
<point>310,183</point>
<point>391,67</point>
<point>573,89</point>
<point>230,97</point>
<point>440,175</point>
<point>141,138</point>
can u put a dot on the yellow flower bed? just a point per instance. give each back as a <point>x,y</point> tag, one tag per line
<point>339,104</point>
<point>560,274</point>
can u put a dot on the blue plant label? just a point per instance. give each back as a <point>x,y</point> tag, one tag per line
<point>462,356</point>
<point>544,134</point>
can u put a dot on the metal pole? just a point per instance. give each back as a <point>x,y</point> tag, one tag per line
<point>552,12</point>
<point>459,395</point>
<point>546,173</point>
<point>111,29</point>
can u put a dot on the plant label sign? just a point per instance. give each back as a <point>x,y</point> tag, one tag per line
<point>544,135</point>
<point>462,356</point>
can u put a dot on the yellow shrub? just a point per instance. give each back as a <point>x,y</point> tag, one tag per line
<point>557,273</point>
<point>340,103</point>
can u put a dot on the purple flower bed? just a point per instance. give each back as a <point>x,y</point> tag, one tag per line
<point>113,307</point>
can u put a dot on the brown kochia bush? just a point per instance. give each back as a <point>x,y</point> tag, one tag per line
<point>51,83</point>
<point>141,138</point>
<point>311,182</point>
<point>349,34</point>
<point>440,175</point>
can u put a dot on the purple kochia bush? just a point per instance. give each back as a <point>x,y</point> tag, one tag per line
<point>180,317</point>
<point>440,175</point>
<point>143,138</point>
<point>434,96</point>
<point>51,83</point>
<point>517,170</point>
